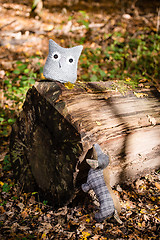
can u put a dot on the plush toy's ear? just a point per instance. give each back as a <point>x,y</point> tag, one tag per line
<point>53,46</point>
<point>92,163</point>
<point>77,50</point>
<point>103,159</point>
<point>95,153</point>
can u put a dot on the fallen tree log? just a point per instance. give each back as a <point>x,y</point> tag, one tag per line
<point>55,132</point>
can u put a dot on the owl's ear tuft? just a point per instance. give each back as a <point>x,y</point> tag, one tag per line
<point>78,50</point>
<point>52,44</point>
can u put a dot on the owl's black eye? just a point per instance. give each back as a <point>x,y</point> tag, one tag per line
<point>71,60</point>
<point>55,56</point>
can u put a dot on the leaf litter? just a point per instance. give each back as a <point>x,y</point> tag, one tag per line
<point>22,216</point>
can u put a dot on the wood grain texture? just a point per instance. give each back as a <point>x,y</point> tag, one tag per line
<point>55,132</point>
<point>119,123</point>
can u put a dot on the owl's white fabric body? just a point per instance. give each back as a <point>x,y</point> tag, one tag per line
<point>61,63</point>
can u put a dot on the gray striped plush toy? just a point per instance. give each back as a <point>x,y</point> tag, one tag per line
<point>96,182</point>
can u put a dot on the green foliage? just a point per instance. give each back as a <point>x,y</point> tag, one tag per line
<point>127,59</point>
<point>16,84</point>
<point>6,120</point>
<point>90,60</point>
<point>6,187</point>
<point>3,203</point>
<point>33,193</point>
<point>45,202</point>
<point>6,163</point>
<point>84,19</point>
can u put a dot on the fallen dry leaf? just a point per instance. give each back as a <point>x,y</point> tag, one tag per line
<point>98,123</point>
<point>2,210</point>
<point>140,95</point>
<point>157,185</point>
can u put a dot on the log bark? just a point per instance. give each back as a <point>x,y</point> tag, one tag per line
<point>55,132</point>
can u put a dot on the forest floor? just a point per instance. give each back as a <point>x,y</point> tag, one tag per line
<point>115,40</point>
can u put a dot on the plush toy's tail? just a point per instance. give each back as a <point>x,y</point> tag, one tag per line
<point>116,216</point>
<point>106,176</point>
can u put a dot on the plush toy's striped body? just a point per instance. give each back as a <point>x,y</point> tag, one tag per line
<point>96,182</point>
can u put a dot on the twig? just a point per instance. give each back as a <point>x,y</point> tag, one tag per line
<point>7,24</point>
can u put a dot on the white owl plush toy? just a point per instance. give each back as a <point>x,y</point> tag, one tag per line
<point>61,63</point>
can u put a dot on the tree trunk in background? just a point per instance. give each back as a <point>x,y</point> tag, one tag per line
<point>55,132</point>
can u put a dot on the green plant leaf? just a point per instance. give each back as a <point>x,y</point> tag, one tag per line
<point>1,119</point>
<point>10,120</point>
<point>17,71</point>
<point>94,78</point>
<point>31,81</point>
<point>102,73</point>
<point>6,163</point>
<point>33,193</point>
<point>26,70</point>
<point>6,187</point>
<point>22,67</point>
